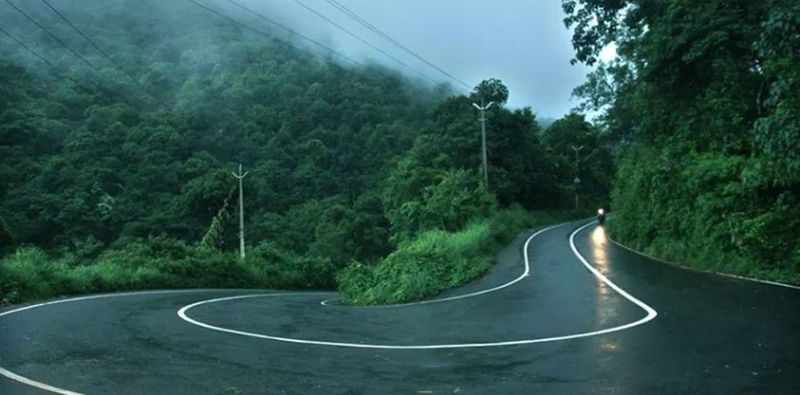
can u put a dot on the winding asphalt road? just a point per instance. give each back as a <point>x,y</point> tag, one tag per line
<point>589,317</point>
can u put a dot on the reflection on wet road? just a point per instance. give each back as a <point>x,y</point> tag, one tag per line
<point>712,335</point>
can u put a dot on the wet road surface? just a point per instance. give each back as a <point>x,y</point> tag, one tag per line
<point>712,335</point>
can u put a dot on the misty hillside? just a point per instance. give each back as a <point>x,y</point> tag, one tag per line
<point>132,154</point>
<point>232,98</point>
<point>357,197</point>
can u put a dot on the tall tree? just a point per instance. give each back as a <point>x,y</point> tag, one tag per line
<point>703,95</point>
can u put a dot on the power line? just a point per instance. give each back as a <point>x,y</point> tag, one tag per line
<point>340,27</point>
<point>391,39</point>
<point>259,32</point>
<point>43,59</point>
<point>61,71</point>
<point>281,26</point>
<point>63,44</point>
<point>106,55</point>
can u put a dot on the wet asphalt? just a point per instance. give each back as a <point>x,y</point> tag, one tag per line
<point>712,335</point>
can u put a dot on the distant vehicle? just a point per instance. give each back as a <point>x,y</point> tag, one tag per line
<point>601,216</point>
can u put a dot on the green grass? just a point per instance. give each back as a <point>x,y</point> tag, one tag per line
<point>437,260</point>
<point>420,267</point>
<point>30,274</point>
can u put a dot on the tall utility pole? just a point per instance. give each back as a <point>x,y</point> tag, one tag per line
<point>241,176</point>
<point>485,163</point>
<point>577,179</point>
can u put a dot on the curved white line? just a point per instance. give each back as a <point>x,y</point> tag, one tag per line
<point>13,376</point>
<point>46,387</point>
<point>524,274</point>
<point>651,314</point>
<point>33,383</point>
<point>111,295</point>
<point>182,311</point>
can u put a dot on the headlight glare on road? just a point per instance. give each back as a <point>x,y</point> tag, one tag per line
<point>599,237</point>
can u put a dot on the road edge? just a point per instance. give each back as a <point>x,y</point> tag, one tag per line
<point>692,269</point>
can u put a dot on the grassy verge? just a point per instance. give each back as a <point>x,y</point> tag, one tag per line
<point>419,268</point>
<point>709,258</point>
<point>436,260</point>
<point>157,263</point>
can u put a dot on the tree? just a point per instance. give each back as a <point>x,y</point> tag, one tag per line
<point>490,90</point>
<point>703,97</point>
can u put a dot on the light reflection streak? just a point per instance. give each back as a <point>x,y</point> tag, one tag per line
<point>609,345</point>
<point>599,242</point>
<point>607,304</point>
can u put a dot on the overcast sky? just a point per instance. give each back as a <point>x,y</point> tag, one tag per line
<point>522,42</point>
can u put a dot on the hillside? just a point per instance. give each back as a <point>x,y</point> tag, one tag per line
<point>123,169</point>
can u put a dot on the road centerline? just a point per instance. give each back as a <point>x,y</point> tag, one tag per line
<point>651,314</point>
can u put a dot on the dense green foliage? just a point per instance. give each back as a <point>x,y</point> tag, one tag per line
<point>705,99</point>
<point>160,262</point>
<point>436,260</point>
<point>108,183</point>
<point>594,167</point>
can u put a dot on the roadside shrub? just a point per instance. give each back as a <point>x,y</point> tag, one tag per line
<point>158,263</point>
<point>710,211</point>
<point>420,267</point>
<point>277,268</point>
<point>26,274</point>
<point>435,260</point>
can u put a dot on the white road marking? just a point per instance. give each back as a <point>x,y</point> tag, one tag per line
<point>32,383</point>
<point>736,276</point>
<point>182,313</point>
<point>757,280</point>
<point>651,314</point>
<point>46,387</point>
<point>524,274</point>
<point>111,295</point>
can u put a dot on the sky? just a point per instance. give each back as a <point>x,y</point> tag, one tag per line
<point>522,42</point>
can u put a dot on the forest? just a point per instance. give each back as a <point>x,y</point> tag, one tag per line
<point>117,146</point>
<point>703,102</point>
<point>116,171</point>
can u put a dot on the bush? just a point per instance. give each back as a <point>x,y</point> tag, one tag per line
<point>27,274</point>
<point>281,269</point>
<point>449,200</point>
<point>420,267</point>
<point>710,211</point>
<point>157,263</point>
<point>435,260</point>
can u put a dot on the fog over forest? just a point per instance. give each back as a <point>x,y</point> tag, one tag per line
<point>523,43</point>
<point>207,195</point>
<point>122,120</point>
